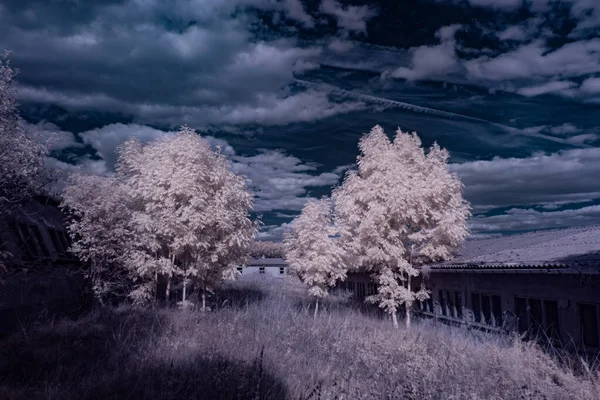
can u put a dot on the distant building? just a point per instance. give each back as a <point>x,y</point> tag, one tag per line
<point>544,284</point>
<point>40,274</point>
<point>271,266</point>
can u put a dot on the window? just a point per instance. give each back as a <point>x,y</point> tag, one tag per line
<point>551,325</point>
<point>240,270</point>
<point>487,309</point>
<point>589,324</point>
<point>476,306</point>
<point>281,270</point>
<point>497,310</point>
<point>58,243</point>
<point>371,289</point>
<point>538,318</point>
<point>30,239</point>
<point>360,290</point>
<point>458,304</point>
<point>351,286</point>
<point>443,302</point>
<point>261,270</point>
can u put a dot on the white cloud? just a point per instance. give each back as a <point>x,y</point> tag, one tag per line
<point>590,86</point>
<point>280,181</point>
<point>432,61</point>
<point>350,18</point>
<point>56,138</point>
<point>530,219</point>
<point>535,60</point>
<point>563,177</point>
<point>514,32</point>
<point>266,109</point>
<point>560,87</point>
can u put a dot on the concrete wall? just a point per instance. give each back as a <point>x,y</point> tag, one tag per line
<point>567,290</point>
<point>270,270</point>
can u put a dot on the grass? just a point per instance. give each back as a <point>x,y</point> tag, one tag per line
<point>261,342</point>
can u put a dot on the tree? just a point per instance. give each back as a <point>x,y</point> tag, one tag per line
<point>191,212</point>
<point>23,173</point>
<point>267,249</point>
<point>99,223</point>
<point>313,250</point>
<point>401,208</point>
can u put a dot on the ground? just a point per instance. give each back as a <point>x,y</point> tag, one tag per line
<point>260,341</point>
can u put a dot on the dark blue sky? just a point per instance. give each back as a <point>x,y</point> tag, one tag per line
<point>287,87</point>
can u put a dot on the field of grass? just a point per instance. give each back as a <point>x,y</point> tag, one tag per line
<point>260,341</point>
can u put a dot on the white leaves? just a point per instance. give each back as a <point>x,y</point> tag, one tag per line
<point>23,172</point>
<point>185,211</point>
<point>313,250</point>
<point>401,209</point>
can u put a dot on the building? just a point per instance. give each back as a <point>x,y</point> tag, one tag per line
<point>39,274</point>
<point>271,266</point>
<point>544,284</point>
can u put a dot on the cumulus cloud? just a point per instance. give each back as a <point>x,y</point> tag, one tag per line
<point>518,219</point>
<point>280,181</point>
<point>267,109</point>
<point>432,61</point>
<point>160,62</point>
<point>350,18</point>
<point>504,182</point>
<point>56,138</point>
<point>536,60</point>
<point>590,86</point>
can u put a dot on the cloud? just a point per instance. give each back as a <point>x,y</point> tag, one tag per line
<point>281,182</point>
<point>560,87</point>
<point>536,60</point>
<point>56,138</point>
<point>268,108</point>
<point>273,233</point>
<point>432,61</point>
<point>590,86</point>
<point>517,219</point>
<point>565,177</point>
<point>172,62</point>
<point>514,32</point>
<point>498,4</point>
<point>350,18</point>
<point>107,139</point>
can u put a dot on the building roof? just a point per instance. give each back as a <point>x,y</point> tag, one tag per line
<point>267,262</point>
<point>559,250</point>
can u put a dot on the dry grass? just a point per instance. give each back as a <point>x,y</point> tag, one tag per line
<point>261,342</point>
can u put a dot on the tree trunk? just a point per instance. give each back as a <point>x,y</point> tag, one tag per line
<point>203,301</point>
<point>408,304</point>
<point>168,293</point>
<point>184,287</point>
<point>316,309</point>
<point>395,320</point>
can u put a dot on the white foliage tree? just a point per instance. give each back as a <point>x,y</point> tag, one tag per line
<point>400,209</point>
<point>267,249</point>
<point>313,249</point>
<point>191,211</point>
<point>22,155</point>
<point>99,223</point>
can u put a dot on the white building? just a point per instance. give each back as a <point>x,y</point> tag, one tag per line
<point>271,266</point>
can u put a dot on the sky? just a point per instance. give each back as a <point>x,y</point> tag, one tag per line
<point>286,88</point>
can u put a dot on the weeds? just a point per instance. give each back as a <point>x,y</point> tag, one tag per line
<point>268,346</point>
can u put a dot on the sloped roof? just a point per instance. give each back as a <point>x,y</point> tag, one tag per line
<point>267,262</point>
<point>559,250</point>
